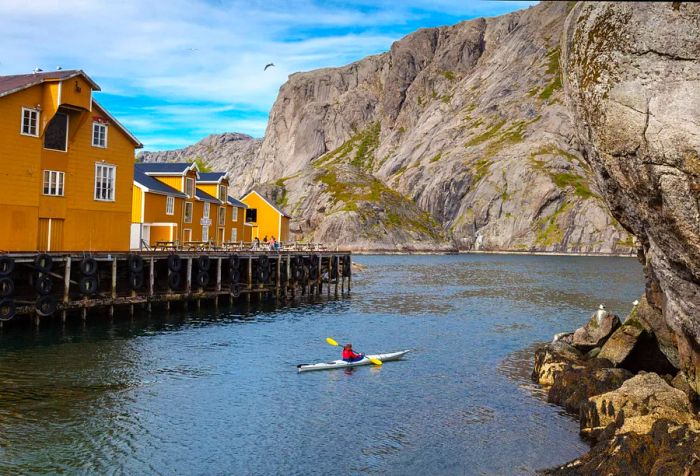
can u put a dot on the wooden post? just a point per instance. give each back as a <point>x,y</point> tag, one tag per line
<point>318,278</point>
<point>279,277</point>
<point>218,275</point>
<point>349,273</point>
<point>114,278</point>
<point>151,281</point>
<point>66,282</point>
<point>288,264</point>
<point>188,285</point>
<point>250,277</point>
<point>328,284</point>
<point>337,269</point>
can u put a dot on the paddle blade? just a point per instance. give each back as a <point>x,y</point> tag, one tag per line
<point>375,361</point>
<point>332,342</point>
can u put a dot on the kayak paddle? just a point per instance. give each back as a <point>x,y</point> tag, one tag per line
<point>375,361</point>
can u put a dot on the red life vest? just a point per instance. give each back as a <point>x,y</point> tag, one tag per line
<point>349,355</point>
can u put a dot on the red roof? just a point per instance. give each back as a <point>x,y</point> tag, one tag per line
<point>18,82</point>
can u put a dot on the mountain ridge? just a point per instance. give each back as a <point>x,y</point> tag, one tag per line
<point>457,137</point>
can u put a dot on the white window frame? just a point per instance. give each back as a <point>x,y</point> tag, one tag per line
<point>222,216</point>
<point>207,207</point>
<point>187,205</point>
<point>205,233</point>
<point>234,214</point>
<point>96,125</point>
<point>223,193</point>
<point>100,196</point>
<point>21,125</point>
<point>234,235</point>
<point>188,181</point>
<point>56,183</point>
<point>170,205</point>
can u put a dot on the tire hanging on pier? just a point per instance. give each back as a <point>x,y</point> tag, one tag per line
<point>135,263</point>
<point>202,278</point>
<point>43,262</point>
<point>43,284</point>
<point>174,263</point>
<point>297,272</point>
<point>7,287</point>
<point>88,285</point>
<point>45,305</point>
<point>7,265</point>
<point>236,290</point>
<point>174,281</point>
<point>234,276</point>
<point>88,266</point>
<point>283,271</point>
<point>203,263</point>
<point>262,274</point>
<point>136,281</point>
<point>7,309</point>
<point>234,261</point>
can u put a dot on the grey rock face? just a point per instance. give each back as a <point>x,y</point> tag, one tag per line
<point>594,334</point>
<point>463,127</point>
<point>632,80</point>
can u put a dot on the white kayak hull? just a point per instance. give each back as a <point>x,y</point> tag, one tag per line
<point>341,364</point>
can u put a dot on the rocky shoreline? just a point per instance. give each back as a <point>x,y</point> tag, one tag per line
<point>637,410</point>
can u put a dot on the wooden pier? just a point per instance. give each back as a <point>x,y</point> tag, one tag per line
<point>42,285</point>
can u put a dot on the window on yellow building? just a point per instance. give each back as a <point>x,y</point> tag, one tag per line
<point>188,212</point>
<point>205,233</point>
<point>223,193</point>
<point>104,182</point>
<point>56,133</point>
<point>235,214</point>
<point>207,205</point>
<point>170,205</point>
<point>234,234</point>
<point>189,187</point>
<point>53,183</point>
<point>30,122</point>
<point>222,215</point>
<point>251,215</point>
<point>99,135</point>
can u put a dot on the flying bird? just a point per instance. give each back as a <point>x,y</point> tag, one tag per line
<point>268,65</point>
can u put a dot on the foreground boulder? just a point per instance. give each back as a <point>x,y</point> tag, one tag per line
<point>600,326</point>
<point>636,405</point>
<point>644,427</point>
<point>570,378</point>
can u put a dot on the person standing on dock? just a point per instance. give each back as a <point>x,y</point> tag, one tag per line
<point>349,355</point>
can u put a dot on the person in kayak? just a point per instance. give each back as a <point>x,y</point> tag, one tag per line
<point>349,355</point>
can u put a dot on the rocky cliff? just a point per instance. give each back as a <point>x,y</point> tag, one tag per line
<point>457,136</point>
<point>632,78</point>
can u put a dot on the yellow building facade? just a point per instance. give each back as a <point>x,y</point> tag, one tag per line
<point>174,202</point>
<point>265,219</point>
<point>66,172</point>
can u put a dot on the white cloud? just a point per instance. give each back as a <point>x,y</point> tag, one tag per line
<point>188,51</point>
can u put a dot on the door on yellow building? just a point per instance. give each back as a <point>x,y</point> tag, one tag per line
<point>220,235</point>
<point>50,234</point>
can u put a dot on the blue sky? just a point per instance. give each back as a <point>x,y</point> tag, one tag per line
<point>174,71</point>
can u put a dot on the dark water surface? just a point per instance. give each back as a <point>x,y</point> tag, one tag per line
<point>218,393</point>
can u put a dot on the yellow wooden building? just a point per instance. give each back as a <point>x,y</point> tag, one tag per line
<point>66,166</point>
<point>174,202</point>
<point>265,219</point>
<point>230,215</point>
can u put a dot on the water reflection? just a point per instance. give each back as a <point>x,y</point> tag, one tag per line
<point>217,392</point>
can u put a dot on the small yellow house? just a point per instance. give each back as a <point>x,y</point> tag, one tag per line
<point>157,210</point>
<point>265,219</point>
<point>154,185</point>
<point>230,213</point>
<point>66,166</point>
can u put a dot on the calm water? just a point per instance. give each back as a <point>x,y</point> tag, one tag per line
<point>218,393</point>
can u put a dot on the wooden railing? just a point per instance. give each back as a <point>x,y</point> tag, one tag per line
<point>236,246</point>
